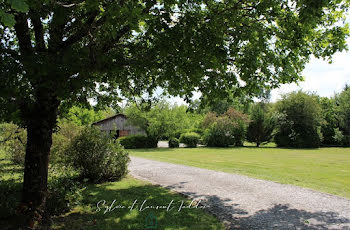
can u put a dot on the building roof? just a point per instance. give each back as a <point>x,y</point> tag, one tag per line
<point>108,118</point>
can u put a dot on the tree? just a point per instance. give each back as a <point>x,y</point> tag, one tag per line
<point>261,125</point>
<point>331,122</point>
<point>53,53</point>
<point>344,112</point>
<point>161,120</point>
<point>84,116</point>
<point>299,120</point>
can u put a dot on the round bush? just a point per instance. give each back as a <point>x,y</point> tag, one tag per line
<point>219,135</point>
<point>190,139</point>
<point>174,143</point>
<point>97,157</point>
<point>137,141</point>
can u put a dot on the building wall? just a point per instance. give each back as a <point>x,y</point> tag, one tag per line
<point>119,123</point>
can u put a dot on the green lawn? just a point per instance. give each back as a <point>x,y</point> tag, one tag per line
<point>324,169</point>
<point>125,193</point>
<point>86,216</point>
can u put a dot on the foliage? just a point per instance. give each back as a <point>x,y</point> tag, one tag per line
<point>161,120</point>
<point>220,106</point>
<point>54,54</point>
<point>226,129</point>
<point>97,157</point>
<point>65,191</point>
<point>137,141</point>
<point>66,132</point>
<point>7,18</point>
<point>220,133</point>
<point>11,177</point>
<point>174,142</point>
<point>261,125</point>
<point>190,139</point>
<point>344,113</point>
<point>330,122</point>
<point>83,116</point>
<point>85,197</point>
<point>14,139</point>
<point>338,137</point>
<point>299,120</point>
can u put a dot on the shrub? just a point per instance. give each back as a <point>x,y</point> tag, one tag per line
<point>219,134</point>
<point>190,139</point>
<point>174,143</point>
<point>64,190</point>
<point>67,131</point>
<point>14,140</point>
<point>97,157</point>
<point>225,129</point>
<point>137,141</point>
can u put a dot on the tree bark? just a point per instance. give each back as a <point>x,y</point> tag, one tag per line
<point>41,121</point>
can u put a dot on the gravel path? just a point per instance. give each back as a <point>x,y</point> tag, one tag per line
<point>246,203</point>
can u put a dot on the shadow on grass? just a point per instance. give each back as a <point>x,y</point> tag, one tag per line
<point>10,192</point>
<point>88,216</point>
<point>279,216</point>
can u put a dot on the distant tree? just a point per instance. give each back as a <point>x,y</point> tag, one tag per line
<point>299,120</point>
<point>343,101</point>
<point>86,116</point>
<point>161,120</point>
<point>331,122</point>
<point>261,125</point>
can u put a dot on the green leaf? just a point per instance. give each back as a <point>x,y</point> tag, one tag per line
<point>7,19</point>
<point>19,5</point>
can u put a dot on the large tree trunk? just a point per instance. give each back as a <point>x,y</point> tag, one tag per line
<point>41,121</point>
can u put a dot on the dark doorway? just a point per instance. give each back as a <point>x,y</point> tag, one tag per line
<point>116,134</point>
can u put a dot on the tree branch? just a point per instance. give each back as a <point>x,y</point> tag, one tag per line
<point>38,31</point>
<point>23,35</point>
<point>82,32</point>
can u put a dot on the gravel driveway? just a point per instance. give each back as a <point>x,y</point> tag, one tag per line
<point>246,203</point>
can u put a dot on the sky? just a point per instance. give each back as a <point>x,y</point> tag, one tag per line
<point>321,77</point>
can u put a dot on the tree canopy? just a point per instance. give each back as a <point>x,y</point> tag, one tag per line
<point>110,49</point>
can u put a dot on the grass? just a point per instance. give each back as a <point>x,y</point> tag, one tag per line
<point>323,169</point>
<point>86,215</point>
<point>125,193</point>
